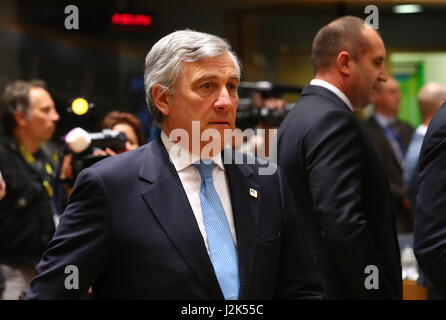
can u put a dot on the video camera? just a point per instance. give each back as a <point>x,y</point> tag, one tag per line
<point>82,145</point>
<point>251,112</point>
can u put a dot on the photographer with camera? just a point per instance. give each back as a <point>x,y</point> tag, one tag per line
<point>261,110</point>
<point>121,132</point>
<point>128,124</point>
<point>28,166</point>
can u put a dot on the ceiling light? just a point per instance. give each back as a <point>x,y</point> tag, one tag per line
<point>407,8</point>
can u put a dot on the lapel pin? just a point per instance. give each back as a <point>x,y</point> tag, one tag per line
<point>253,193</point>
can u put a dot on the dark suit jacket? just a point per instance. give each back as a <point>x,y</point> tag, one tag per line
<point>342,195</point>
<point>26,217</point>
<point>430,214</point>
<point>131,231</point>
<point>393,169</point>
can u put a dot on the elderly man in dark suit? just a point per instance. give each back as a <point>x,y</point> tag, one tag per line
<point>391,137</point>
<point>333,171</point>
<point>170,220</point>
<point>430,213</point>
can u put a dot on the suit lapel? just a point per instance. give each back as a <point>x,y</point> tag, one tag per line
<point>168,202</point>
<point>245,208</point>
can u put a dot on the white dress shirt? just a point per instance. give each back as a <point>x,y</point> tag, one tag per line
<point>384,121</point>
<point>421,130</point>
<point>191,180</point>
<point>334,89</point>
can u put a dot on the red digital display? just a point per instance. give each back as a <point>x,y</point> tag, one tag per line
<point>127,19</point>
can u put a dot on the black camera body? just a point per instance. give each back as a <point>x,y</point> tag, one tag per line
<point>250,113</point>
<point>82,145</point>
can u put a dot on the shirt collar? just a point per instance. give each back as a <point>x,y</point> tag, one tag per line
<point>384,121</point>
<point>334,89</point>
<point>186,159</point>
<point>422,129</point>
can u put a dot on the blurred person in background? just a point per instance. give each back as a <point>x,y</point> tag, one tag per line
<point>264,133</point>
<point>28,165</point>
<point>390,137</point>
<point>126,123</point>
<point>430,98</point>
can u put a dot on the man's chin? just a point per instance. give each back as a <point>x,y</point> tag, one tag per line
<point>48,136</point>
<point>364,104</point>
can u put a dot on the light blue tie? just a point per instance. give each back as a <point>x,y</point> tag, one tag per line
<point>222,250</point>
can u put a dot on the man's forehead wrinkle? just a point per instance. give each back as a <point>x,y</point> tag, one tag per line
<point>208,68</point>
<point>205,73</point>
<point>201,77</point>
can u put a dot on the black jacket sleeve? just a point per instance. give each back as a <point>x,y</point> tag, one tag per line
<point>81,245</point>
<point>298,277</point>
<point>430,215</point>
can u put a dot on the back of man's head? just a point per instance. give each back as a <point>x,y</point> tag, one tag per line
<point>342,34</point>
<point>16,97</point>
<point>430,98</point>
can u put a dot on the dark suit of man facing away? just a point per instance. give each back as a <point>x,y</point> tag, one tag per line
<point>139,226</point>
<point>332,170</point>
<point>430,214</point>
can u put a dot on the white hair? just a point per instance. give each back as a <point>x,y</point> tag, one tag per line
<point>164,61</point>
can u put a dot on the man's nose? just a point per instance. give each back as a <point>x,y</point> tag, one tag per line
<point>55,116</point>
<point>224,100</point>
<point>383,75</point>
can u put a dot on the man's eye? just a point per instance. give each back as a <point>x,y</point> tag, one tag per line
<point>378,62</point>
<point>232,86</point>
<point>206,85</point>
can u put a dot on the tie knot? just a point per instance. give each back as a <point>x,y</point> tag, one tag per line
<point>205,169</point>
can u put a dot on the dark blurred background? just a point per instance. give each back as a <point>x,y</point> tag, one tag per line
<point>104,62</point>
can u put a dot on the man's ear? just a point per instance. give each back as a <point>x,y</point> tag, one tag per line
<point>160,97</point>
<point>20,118</point>
<point>344,62</point>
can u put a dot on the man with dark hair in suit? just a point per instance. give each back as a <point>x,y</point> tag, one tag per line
<point>391,137</point>
<point>333,171</point>
<point>430,217</point>
<point>172,221</point>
